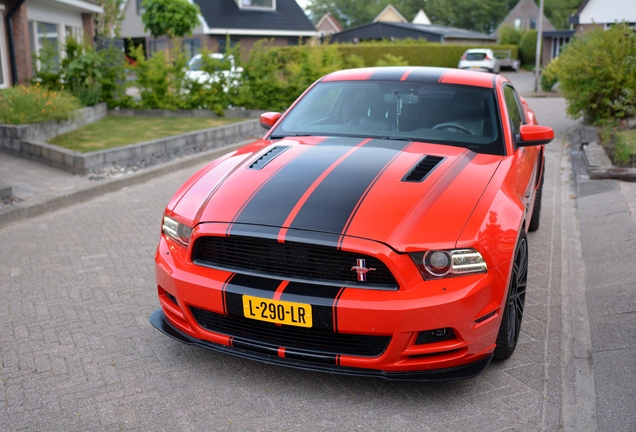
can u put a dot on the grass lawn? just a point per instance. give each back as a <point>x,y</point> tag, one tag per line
<point>121,131</point>
<point>629,137</point>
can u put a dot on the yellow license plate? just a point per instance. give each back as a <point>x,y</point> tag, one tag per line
<point>277,311</point>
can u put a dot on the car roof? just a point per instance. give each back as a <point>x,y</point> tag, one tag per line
<point>415,74</point>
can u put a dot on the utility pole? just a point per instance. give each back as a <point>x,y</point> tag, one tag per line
<point>537,61</point>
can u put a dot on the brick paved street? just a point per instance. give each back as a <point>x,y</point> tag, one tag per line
<point>78,352</point>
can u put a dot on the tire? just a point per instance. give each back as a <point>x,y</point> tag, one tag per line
<point>536,212</point>
<point>510,327</point>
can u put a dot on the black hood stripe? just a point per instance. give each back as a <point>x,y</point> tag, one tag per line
<point>331,205</point>
<point>275,199</point>
<point>364,195</point>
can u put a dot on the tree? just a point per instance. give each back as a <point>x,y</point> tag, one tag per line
<point>107,23</point>
<point>172,18</point>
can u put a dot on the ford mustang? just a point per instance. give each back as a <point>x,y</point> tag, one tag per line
<point>378,229</point>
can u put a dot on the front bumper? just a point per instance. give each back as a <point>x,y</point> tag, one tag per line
<point>470,370</point>
<point>203,305</point>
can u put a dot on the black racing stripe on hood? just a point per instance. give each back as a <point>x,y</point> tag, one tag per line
<point>428,75</point>
<point>333,202</point>
<point>275,200</point>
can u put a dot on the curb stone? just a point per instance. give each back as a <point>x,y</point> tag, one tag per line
<point>594,163</point>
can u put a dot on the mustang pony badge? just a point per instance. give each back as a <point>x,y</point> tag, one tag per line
<point>361,269</point>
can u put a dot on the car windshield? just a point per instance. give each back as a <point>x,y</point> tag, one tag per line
<point>439,113</point>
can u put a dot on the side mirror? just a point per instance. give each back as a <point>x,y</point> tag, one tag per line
<point>531,135</point>
<point>269,119</point>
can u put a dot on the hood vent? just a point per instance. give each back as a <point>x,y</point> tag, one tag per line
<point>422,169</point>
<point>267,157</point>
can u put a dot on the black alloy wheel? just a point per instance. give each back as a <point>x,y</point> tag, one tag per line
<point>510,328</point>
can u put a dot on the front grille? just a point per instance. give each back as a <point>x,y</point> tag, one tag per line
<point>317,341</point>
<point>290,260</point>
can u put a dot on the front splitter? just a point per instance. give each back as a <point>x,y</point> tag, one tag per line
<point>159,321</point>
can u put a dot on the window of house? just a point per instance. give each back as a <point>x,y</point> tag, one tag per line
<point>3,55</point>
<point>533,24</point>
<point>223,44</point>
<point>157,45</point>
<point>44,39</point>
<point>191,47</point>
<point>257,4</point>
<point>517,23</point>
<point>140,8</point>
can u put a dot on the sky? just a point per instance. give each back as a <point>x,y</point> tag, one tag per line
<point>302,3</point>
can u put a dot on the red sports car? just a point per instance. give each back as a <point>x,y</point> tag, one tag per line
<point>378,229</point>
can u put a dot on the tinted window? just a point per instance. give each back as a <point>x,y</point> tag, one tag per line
<point>475,56</point>
<point>448,114</point>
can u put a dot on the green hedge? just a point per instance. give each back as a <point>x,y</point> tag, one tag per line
<point>425,54</point>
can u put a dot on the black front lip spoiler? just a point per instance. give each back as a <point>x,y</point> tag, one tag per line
<point>158,320</point>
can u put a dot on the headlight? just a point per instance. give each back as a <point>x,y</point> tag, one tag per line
<point>176,231</point>
<point>440,263</point>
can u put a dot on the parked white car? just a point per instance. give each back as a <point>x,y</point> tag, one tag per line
<point>480,59</point>
<point>223,64</point>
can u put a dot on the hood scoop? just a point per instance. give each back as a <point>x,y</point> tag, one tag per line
<point>267,157</point>
<point>423,168</point>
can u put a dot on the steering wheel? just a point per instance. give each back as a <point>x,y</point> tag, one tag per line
<point>453,126</point>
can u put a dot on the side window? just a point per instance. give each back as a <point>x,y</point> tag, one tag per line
<point>514,111</point>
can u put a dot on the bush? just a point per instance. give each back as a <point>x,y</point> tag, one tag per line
<point>596,74</point>
<point>91,76</point>
<point>528,48</point>
<point>161,84</point>
<point>550,75</point>
<point>509,35</point>
<point>275,77</point>
<point>220,90</point>
<point>391,60</point>
<point>24,105</point>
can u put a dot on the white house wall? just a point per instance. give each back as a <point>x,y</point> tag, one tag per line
<point>54,12</point>
<point>608,11</point>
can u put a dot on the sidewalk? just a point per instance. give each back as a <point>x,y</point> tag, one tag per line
<point>38,188</point>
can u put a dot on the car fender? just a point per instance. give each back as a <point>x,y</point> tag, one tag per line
<point>495,223</point>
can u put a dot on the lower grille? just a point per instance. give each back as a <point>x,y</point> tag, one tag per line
<point>311,340</point>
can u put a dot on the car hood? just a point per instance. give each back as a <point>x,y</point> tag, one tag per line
<point>408,195</point>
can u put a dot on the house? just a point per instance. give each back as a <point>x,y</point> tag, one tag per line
<point>390,24</point>
<point>604,14</point>
<point>524,17</point>
<point>390,14</point>
<point>26,24</point>
<point>591,14</point>
<point>328,25</point>
<point>244,21</point>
